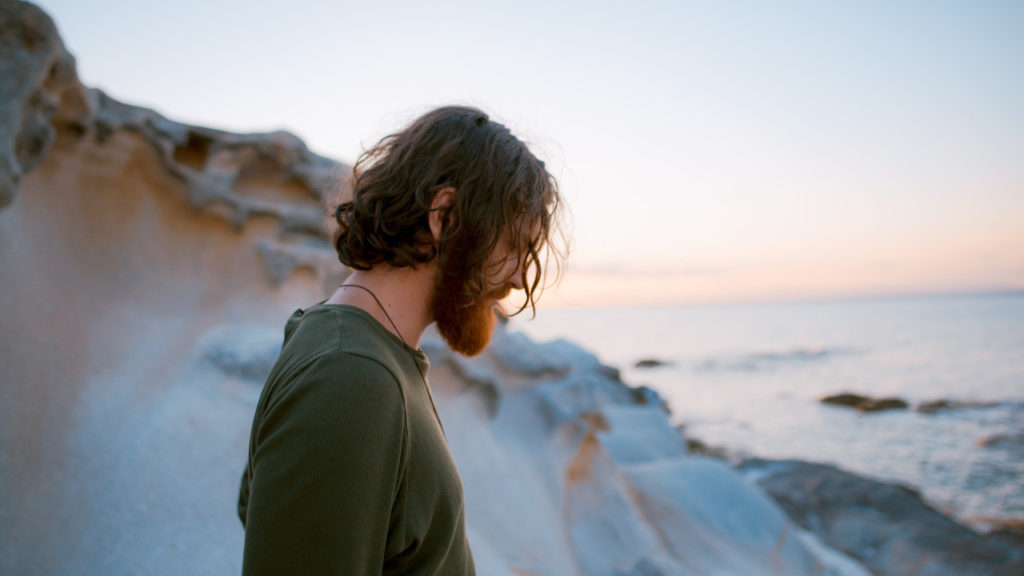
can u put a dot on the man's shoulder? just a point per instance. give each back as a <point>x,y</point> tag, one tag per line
<point>327,329</point>
<point>330,379</point>
<point>348,372</point>
<point>337,339</point>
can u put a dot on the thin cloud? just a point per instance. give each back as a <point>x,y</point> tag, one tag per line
<point>619,269</point>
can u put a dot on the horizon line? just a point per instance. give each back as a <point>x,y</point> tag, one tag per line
<point>937,294</point>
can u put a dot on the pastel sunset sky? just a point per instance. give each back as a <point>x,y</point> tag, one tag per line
<point>709,151</point>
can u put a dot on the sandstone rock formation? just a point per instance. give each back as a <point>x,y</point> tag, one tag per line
<point>148,270</point>
<point>40,92</point>
<point>576,475</point>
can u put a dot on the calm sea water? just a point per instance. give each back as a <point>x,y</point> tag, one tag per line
<point>748,377</point>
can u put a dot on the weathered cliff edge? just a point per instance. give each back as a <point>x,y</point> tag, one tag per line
<point>148,267</point>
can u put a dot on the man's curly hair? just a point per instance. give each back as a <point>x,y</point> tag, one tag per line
<point>501,190</point>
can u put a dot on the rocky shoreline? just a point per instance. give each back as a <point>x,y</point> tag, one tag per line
<point>886,526</point>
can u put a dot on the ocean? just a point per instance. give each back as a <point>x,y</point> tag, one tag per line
<point>749,378</point>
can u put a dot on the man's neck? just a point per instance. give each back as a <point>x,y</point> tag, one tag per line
<point>405,295</point>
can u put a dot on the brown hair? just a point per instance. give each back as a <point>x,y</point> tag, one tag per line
<point>501,188</point>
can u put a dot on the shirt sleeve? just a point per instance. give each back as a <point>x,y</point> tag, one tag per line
<point>325,471</point>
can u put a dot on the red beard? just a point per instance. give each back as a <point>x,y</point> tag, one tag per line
<point>467,328</point>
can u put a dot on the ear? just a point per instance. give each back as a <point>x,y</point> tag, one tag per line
<point>439,209</point>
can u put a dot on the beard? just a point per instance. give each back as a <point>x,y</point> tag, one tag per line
<point>465,326</point>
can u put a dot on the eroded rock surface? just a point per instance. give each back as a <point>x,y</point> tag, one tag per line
<point>39,92</point>
<point>578,474</point>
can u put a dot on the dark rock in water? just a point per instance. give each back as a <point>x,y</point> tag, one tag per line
<point>864,403</point>
<point>647,396</point>
<point>845,399</point>
<point>649,363</point>
<point>695,446</point>
<point>1003,441</point>
<point>610,372</point>
<point>940,405</point>
<point>883,404</point>
<point>887,527</point>
<point>934,406</point>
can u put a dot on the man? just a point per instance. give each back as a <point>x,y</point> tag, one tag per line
<point>349,471</point>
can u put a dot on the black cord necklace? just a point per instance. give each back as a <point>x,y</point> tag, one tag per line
<point>408,349</point>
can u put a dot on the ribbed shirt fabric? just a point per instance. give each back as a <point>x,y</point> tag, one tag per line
<point>349,471</point>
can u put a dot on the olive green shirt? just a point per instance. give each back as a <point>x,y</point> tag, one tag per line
<point>349,471</point>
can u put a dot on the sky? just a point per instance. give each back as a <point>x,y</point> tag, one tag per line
<point>708,151</point>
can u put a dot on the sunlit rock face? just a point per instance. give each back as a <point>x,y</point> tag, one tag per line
<point>148,269</point>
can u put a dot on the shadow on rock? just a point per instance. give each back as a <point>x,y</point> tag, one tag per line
<point>888,527</point>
